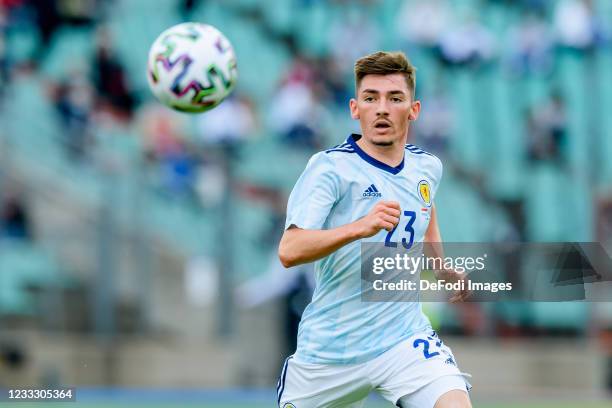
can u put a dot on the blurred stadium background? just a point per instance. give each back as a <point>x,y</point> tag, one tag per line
<point>137,245</point>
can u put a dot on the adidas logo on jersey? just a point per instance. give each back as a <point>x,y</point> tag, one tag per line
<point>372,191</point>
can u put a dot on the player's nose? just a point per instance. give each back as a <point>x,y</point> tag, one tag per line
<point>382,107</point>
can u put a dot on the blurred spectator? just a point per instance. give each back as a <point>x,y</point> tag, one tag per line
<point>575,24</point>
<point>179,173</point>
<point>46,21</point>
<point>110,79</point>
<point>436,122</point>
<point>231,122</point>
<point>162,130</point>
<point>186,8</point>
<point>172,163</point>
<point>49,15</point>
<point>275,200</point>
<point>530,45</point>
<point>547,129</point>
<point>15,218</point>
<point>422,23</point>
<point>302,71</point>
<point>292,115</point>
<point>332,83</point>
<point>468,43</point>
<point>74,100</point>
<point>296,109</point>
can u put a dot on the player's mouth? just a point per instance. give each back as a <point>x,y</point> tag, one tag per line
<point>382,126</point>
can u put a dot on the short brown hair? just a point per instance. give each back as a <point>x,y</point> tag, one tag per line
<point>385,63</point>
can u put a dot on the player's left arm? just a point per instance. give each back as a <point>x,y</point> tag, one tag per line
<point>434,248</point>
<point>433,243</point>
<point>432,236</point>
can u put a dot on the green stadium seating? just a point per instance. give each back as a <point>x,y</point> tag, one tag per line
<point>491,138</point>
<point>22,266</point>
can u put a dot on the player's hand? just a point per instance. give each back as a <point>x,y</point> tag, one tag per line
<point>463,294</point>
<point>452,276</point>
<point>385,215</point>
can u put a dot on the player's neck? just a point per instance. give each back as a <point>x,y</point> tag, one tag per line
<point>391,155</point>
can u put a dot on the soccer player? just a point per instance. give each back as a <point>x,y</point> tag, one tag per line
<point>364,189</point>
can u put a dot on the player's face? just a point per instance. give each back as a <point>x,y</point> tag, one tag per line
<point>384,108</point>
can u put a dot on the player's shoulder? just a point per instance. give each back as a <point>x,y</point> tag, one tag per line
<point>426,160</point>
<point>418,152</point>
<point>326,160</point>
<point>340,150</point>
<point>333,156</point>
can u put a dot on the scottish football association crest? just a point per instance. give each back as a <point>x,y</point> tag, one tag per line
<point>425,192</point>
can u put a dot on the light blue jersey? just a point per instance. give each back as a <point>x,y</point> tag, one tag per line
<point>338,187</point>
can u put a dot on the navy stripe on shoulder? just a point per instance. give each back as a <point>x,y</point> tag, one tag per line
<point>416,150</point>
<point>343,149</point>
<point>412,147</point>
<point>341,145</point>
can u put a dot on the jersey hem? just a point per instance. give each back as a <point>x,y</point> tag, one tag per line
<point>357,360</point>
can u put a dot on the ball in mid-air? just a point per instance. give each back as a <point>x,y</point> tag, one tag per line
<point>192,67</point>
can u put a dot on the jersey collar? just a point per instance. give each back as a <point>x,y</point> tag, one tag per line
<point>352,140</point>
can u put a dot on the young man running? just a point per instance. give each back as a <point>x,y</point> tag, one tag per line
<point>375,187</point>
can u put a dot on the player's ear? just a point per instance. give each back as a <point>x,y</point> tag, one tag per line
<point>353,107</point>
<point>415,109</point>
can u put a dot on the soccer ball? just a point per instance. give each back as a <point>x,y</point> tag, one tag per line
<point>192,67</point>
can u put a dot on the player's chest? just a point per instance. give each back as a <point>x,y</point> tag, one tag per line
<point>414,195</point>
<point>412,191</point>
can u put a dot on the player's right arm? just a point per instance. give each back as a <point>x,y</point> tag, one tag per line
<point>299,246</point>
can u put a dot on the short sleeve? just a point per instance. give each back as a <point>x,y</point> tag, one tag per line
<point>314,194</point>
<point>437,170</point>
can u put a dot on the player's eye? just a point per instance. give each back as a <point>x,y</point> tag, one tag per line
<point>397,100</point>
<point>368,99</point>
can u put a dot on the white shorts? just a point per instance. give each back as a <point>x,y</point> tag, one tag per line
<point>404,370</point>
